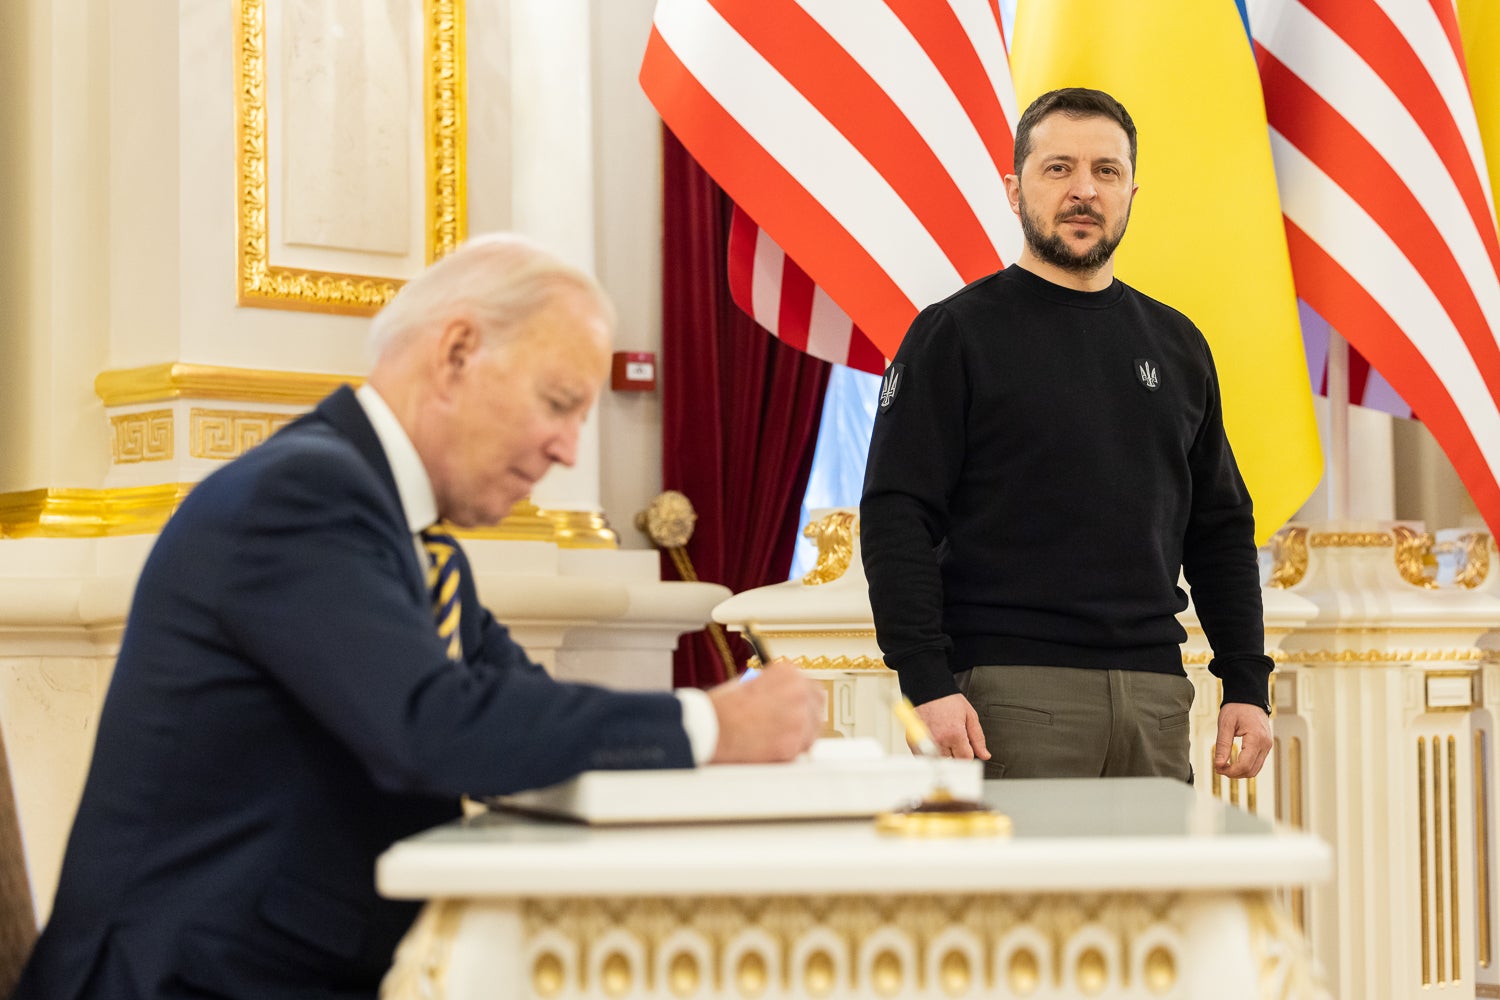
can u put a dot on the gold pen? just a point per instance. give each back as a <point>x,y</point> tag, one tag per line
<point>917,733</point>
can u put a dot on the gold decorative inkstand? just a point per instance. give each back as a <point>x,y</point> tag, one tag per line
<point>939,813</point>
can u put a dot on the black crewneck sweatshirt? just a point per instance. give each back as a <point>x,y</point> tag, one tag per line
<point>1043,463</point>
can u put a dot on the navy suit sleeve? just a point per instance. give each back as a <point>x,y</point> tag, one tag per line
<point>318,595</point>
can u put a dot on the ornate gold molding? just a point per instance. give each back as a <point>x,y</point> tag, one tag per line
<point>142,510</point>
<point>447,128</point>
<point>888,945</point>
<point>835,536</point>
<point>859,633</point>
<point>1351,539</point>
<point>222,435</point>
<point>141,437</point>
<point>262,283</point>
<point>1314,657</point>
<point>420,968</point>
<point>64,513</point>
<point>840,663</point>
<point>180,380</point>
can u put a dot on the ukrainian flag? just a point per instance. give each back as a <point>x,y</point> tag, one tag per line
<point>1479,24</point>
<point>1206,233</point>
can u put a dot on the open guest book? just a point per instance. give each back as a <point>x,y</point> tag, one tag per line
<point>836,779</point>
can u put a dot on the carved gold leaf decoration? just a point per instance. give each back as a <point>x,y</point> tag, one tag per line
<point>1414,559</point>
<point>1475,548</point>
<point>1289,557</point>
<point>835,536</point>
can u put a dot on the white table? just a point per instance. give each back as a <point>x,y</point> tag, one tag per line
<point>1119,888</point>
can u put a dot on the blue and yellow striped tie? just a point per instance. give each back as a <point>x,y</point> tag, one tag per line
<point>442,582</point>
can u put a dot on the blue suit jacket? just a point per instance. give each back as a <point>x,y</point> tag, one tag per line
<point>282,711</point>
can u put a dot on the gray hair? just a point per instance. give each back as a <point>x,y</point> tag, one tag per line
<point>499,280</point>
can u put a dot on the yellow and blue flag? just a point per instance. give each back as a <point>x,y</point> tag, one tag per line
<point>1206,233</point>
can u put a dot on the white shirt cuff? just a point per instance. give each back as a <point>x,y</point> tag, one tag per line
<point>701,722</point>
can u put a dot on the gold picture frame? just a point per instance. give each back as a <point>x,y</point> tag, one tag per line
<point>262,283</point>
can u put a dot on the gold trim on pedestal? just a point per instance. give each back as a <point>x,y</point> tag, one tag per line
<point>1346,657</point>
<point>570,529</point>
<point>142,510</point>
<point>260,283</point>
<point>180,380</point>
<point>64,513</point>
<point>837,662</point>
<point>1351,539</point>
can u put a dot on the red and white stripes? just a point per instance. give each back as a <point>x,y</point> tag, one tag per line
<point>869,140</point>
<point>769,285</point>
<point>1389,218</point>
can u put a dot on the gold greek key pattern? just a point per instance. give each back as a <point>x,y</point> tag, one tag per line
<point>61,513</point>
<point>1289,557</point>
<point>447,130</point>
<point>226,434</point>
<point>141,437</point>
<point>835,536</point>
<point>176,380</point>
<point>884,946</point>
<point>263,284</point>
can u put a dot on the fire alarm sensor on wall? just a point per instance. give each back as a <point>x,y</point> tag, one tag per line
<point>633,371</point>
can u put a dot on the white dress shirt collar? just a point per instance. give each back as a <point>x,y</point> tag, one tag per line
<point>412,484</point>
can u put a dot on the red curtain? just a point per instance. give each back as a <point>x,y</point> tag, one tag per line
<point>740,410</point>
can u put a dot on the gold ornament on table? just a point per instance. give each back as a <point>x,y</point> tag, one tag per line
<point>939,813</point>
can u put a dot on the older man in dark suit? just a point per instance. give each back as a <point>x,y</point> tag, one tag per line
<point>285,704</point>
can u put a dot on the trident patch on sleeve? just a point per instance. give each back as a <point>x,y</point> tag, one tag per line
<point>890,385</point>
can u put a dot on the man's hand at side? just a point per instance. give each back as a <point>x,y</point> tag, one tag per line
<point>1253,726</point>
<point>955,727</point>
<point>772,717</point>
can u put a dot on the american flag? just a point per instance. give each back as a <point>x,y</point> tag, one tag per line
<point>1387,205</point>
<point>869,141</point>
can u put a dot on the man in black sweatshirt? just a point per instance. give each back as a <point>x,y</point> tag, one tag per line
<point>1049,452</point>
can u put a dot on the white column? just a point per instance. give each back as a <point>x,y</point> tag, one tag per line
<point>552,177</point>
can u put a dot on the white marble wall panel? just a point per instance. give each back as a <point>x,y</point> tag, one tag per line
<point>350,109</point>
